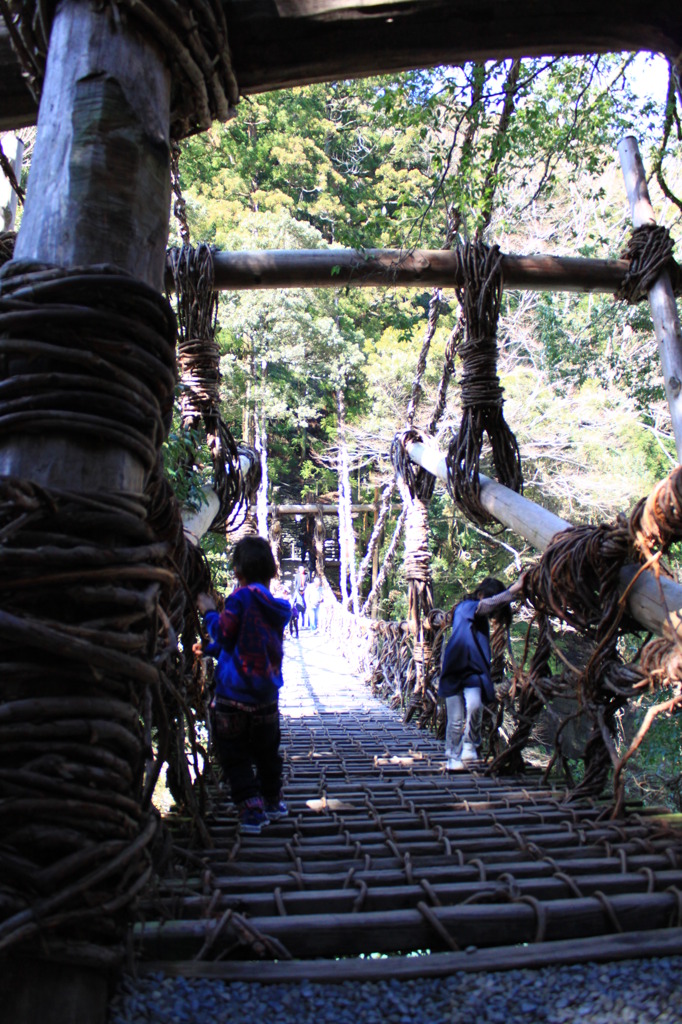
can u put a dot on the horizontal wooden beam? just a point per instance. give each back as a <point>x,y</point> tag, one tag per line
<point>421,268</point>
<point>601,949</point>
<point>294,42</point>
<point>652,602</point>
<point>327,934</point>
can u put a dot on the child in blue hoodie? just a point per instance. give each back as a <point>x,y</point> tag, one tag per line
<point>247,641</point>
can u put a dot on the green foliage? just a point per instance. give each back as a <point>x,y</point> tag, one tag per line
<point>655,770</point>
<point>185,455</point>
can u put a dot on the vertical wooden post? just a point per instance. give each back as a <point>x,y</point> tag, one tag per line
<point>98,193</point>
<point>661,296</point>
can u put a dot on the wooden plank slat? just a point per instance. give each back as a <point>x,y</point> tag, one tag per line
<point>603,949</point>
<point>337,934</point>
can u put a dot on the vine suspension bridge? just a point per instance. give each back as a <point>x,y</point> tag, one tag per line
<point>385,852</point>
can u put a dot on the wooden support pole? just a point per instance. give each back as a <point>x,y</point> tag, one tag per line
<point>661,296</point>
<point>421,268</point>
<point>652,602</point>
<point>98,193</point>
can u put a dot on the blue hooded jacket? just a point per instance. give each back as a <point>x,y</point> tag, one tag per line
<point>466,660</point>
<point>247,641</point>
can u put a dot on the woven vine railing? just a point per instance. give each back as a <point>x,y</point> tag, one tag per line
<point>575,587</point>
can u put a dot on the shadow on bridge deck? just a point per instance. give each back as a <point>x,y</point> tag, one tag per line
<point>385,853</point>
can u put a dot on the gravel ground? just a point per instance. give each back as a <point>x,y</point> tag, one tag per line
<point>628,992</point>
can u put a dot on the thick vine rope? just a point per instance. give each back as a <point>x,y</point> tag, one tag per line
<point>192,35</point>
<point>121,394</point>
<point>650,252</point>
<point>578,581</point>
<point>432,322</point>
<point>448,371</point>
<point>7,240</point>
<point>199,363</point>
<point>482,396</point>
<point>87,353</point>
<point>319,537</point>
<point>418,482</point>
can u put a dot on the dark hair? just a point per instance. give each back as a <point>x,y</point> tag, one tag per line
<point>489,587</point>
<point>253,560</point>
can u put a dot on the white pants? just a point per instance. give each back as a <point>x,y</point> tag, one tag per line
<point>465,714</point>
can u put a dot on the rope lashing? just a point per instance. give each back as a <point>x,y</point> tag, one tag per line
<point>81,578</point>
<point>179,203</point>
<point>7,240</point>
<point>448,371</point>
<point>418,482</point>
<point>432,322</point>
<point>319,537</point>
<point>193,36</point>
<point>650,251</point>
<point>275,532</point>
<point>249,483</point>
<point>199,364</point>
<point>90,351</point>
<point>482,395</point>
<point>387,563</point>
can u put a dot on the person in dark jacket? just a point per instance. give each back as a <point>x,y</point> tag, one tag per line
<point>465,681</point>
<point>297,602</point>
<point>247,641</point>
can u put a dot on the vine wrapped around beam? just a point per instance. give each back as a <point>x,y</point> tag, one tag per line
<point>482,396</point>
<point>577,581</point>
<point>199,363</point>
<point>80,607</point>
<point>649,252</point>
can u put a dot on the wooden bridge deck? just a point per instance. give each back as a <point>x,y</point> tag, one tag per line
<point>386,853</point>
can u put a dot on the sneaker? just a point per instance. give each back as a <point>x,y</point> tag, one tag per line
<point>469,752</point>
<point>454,764</point>
<point>252,816</point>
<point>276,809</point>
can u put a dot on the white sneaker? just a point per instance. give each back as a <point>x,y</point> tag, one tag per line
<point>454,764</point>
<point>469,752</point>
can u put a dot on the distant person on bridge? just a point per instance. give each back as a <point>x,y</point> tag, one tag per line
<point>465,681</point>
<point>313,599</point>
<point>302,577</point>
<point>247,641</point>
<point>297,600</point>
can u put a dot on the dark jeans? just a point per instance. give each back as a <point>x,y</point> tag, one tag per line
<point>247,745</point>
